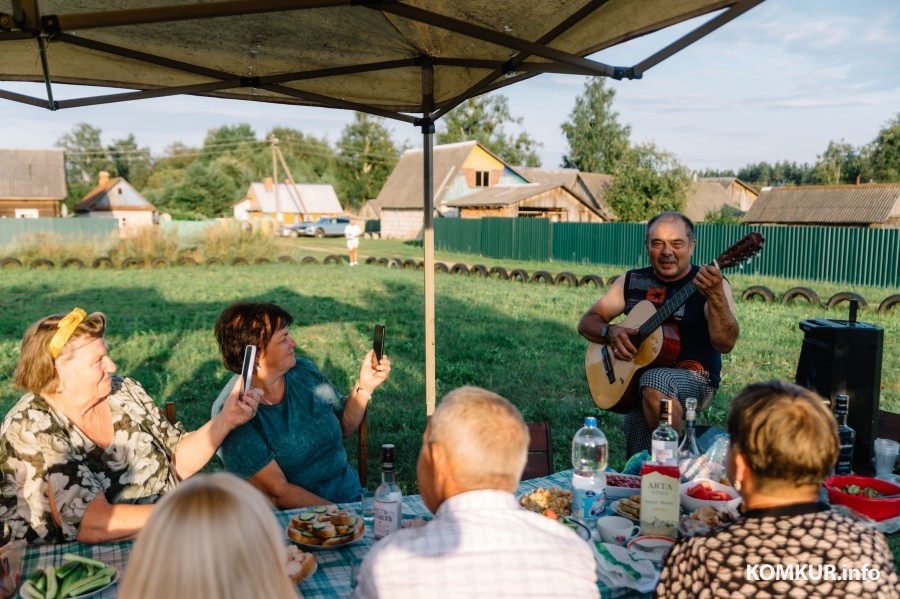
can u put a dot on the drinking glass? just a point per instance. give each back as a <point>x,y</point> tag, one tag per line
<point>885,456</point>
<point>367,505</point>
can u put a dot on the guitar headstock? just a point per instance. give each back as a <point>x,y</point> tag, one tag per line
<point>748,246</point>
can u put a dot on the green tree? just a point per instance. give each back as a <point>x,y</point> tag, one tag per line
<point>482,119</point>
<point>131,161</point>
<point>596,139</point>
<point>725,215</point>
<point>367,155</point>
<point>85,158</point>
<point>885,153</point>
<point>237,140</point>
<point>647,181</point>
<point>840,163</point>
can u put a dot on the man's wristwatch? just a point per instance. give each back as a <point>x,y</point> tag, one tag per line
<point>604,332</point>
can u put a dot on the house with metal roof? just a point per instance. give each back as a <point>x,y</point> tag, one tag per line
<point>542,200</point>
<point>287,203</point>
<point>839,205</point>
<point>32,183</point>
<point>117,198</point>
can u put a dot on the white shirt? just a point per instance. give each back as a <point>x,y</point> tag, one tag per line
<point>480,544</point>
<point>352,231</point>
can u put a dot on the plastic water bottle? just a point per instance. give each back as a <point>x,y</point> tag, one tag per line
<point>589,457</point>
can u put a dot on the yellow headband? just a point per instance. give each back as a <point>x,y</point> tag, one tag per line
<point>64,331</point>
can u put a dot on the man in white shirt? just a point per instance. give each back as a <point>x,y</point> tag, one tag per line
<point>352,233</point>
<point>480,543</point>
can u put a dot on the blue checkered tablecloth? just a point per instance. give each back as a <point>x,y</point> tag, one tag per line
<point>333,577</point>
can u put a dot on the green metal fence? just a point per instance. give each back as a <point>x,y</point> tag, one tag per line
<point>853,256</point>
<point>21,230</point>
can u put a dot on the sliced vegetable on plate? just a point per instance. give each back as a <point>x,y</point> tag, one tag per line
<point>77,577</point>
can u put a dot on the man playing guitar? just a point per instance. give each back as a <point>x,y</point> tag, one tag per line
<point>706,325</point>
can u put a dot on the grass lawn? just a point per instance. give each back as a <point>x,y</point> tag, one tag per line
<point>518,340</point>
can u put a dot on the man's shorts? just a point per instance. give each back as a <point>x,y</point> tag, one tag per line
<point>352,244</point>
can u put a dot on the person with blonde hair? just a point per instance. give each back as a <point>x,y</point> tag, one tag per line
<point>783,443</point>
<point>480,543</point>
<point>214,536</point>
<point>84,453</point>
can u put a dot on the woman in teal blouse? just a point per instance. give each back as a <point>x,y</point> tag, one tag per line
<point>292,449</point>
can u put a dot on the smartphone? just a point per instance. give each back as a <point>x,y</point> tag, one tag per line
<point>378,342</point>
<point>247,370</point>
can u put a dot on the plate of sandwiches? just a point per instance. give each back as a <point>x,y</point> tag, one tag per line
<point>325,527</point>
<point>630,507</point>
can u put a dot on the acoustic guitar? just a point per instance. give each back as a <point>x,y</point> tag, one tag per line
<point>613,382</point>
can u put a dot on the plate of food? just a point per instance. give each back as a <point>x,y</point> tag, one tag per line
<point>78,577</point>
<point>300,564</point>
<point>705,519</point>
<point>630,507</point>
<point>325,527</point>
<point>554,499</point>
<point>622,485</point>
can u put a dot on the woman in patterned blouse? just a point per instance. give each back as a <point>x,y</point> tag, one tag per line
<point>783,443</point>
<point>83,454</point>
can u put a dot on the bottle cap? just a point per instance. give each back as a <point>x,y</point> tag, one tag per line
<point>590,421</point>
<point>387,456</point>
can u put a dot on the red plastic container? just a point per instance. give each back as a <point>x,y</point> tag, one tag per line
<point>877,508</point>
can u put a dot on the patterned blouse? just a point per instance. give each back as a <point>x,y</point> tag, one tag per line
<point>37,443</point>
<point>798,551</point>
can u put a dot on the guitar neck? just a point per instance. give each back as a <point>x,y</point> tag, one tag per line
<point>665,311</point>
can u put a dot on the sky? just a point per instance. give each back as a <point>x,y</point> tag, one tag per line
<point>778,83</point>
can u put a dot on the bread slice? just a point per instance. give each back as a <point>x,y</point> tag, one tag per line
<point>323,530</point>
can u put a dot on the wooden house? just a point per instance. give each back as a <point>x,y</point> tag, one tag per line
<point>116,198</point>
<point>32,183</point>
<point>286,203</point>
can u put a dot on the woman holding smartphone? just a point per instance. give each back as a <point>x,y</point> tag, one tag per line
<point>292,450</point>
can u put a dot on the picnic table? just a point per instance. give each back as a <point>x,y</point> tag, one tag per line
<point>336,566</point>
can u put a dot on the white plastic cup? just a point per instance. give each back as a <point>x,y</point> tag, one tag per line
<point>885,456</point>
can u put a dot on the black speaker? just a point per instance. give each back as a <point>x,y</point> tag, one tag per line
<point>844,356</point>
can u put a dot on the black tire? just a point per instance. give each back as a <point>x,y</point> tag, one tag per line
<point>187,261</point>
<point>459,269</point>
<point>214,262</point>
<point>498,272</point>
<point>846,296</point>
<point>102,263</point>
<point>320,233</point>
<point>76,262</point>
<point>395,263</point>
<point>42,263</point>
<point>382,262</point>
<point>541,275</point>
<point>518,275</point>
<point>286,260</point>
<point>594,280</point>
<point>420,265</point>
<point>309,260</point>
<point>332,259</point>
<point>758,291</point>
<point>371,260</point>
<point>410,264</point>
<point>159,261</point>
<point>441,267</point>
<point>239,261</point>
<point>803,292</point>
<point>889,303</point>
<point>612,280</point>
<point>132,263</point>
<point>479,270</point>
<point>262,260</point>
<point>10,262</point>
<point>565,279</point>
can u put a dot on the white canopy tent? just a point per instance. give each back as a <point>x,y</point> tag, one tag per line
<point>409,60</point>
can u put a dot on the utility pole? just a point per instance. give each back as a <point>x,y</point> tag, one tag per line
<point>275,151</point>
<point>290,178</point>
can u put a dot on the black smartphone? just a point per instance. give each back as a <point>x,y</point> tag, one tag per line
<point>247,370</point>
<point>378,342</point>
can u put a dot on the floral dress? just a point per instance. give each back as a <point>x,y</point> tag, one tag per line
<point>38,444</point>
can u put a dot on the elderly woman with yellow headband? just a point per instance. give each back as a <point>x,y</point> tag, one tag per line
<point>84,454</point>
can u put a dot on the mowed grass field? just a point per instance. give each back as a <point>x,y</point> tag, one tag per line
<point>518,340</point>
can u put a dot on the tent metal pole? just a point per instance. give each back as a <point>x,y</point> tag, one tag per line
<point>428,231</point>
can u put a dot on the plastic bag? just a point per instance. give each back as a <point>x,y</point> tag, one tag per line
<point>11,557</point>
<point>711,464</point>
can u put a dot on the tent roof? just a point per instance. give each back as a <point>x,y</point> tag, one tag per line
<point>364,55</point>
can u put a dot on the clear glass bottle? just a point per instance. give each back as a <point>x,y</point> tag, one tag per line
<point>388,496</point>
<point>846,435</point>
<point>664,442</point>
<point>689,450</point>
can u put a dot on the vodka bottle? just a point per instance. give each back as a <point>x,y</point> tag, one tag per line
<point>846,435</point>
<point>388,496</point>
<point>689,450</point>
<point>589,457</point>
<point>664,442</point>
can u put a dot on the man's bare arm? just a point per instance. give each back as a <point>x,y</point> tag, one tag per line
<point>719,310</point>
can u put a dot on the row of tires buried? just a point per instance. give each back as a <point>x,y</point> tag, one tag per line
<point>160,262</point>
<point>807,295</point>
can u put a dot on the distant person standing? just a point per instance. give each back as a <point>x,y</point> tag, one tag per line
<point>352,233</point>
